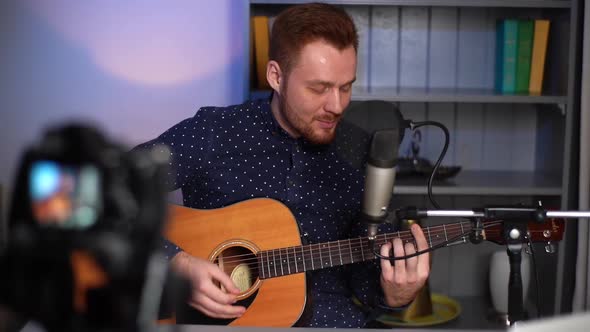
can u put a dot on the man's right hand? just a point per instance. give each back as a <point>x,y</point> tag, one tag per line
<point>206,296</point>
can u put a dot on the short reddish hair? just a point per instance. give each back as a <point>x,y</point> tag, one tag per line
<point>299,25</point>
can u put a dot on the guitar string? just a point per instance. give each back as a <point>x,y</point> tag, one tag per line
<point>356,243</point>
<point>325,250</point>
<point>403,235</point>
<point>359,258</point>
<point>297,253</point>
<point>356,257</point>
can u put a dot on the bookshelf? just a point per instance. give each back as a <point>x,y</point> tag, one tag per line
<point>498,183</point>
<point>441,95</point>
<point>434,59</point>
<point>423,93</point>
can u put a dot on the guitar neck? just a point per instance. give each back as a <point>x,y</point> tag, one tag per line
<point>285,261</point>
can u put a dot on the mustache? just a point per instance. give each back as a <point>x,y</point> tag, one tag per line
<point>329,118</point>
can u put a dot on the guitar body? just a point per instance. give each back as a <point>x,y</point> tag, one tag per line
<point>231,237</point>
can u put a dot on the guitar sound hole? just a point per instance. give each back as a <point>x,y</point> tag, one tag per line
<point>241,265</point>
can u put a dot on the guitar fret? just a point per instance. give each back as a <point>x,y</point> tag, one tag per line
<point>340,252</point>
<point>281,260</point>
<point>362,251</point>
<point>446,236</point>
<point>295,259</point>
<point>288,263</point>
<point>262,268</point>
<point>321,260</point>
<point>261,264</point>
<point>268,264</point>
<point>284,261</point>
<point>330,253</point>
<point>429,237</point>
<point>311,256</point>
<point>303,257</point>
<point>372,247</point>
<point>350,251</point>
<point>274,260</point>
<point>288,260</point>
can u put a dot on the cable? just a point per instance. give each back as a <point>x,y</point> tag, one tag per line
<point>417,253</point>
<point>537,288</point>
<point>440,158</point>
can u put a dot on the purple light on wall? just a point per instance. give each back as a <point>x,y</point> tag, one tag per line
<point>147,42</point>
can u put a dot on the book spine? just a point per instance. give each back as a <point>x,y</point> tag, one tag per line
<point>538,56</point>
<point>499,68</point>
<point>523,60</point>
<point>509,56</point>
<point>261,45</point>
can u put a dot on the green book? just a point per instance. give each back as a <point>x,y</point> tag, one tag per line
<point>526,30</point>
<point>506,52</point>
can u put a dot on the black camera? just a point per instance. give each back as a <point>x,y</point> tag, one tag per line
<point>84,232</point>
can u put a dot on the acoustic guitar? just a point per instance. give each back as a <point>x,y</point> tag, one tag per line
<point>257,243</point>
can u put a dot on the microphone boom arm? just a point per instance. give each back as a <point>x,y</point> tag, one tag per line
<point>537,214</point>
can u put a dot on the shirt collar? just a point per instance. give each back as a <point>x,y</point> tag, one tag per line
<point>269,119</point>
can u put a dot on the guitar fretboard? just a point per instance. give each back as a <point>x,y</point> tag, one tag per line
<point>290,260</point>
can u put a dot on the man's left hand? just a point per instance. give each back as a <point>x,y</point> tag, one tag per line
<point>402,279</point>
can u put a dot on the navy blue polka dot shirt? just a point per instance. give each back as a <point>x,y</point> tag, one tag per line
<point>226,155</point>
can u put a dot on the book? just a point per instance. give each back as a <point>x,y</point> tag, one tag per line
<point>538,55</point>
<point>384,47</point>
<point>360,16</point>
<point>523,58</point>
<point>506,53</point>
<point>261,45</point>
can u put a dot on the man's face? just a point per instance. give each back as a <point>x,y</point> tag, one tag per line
<point>317,91</point>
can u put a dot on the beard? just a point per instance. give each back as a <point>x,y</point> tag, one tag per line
<point>305,129</point>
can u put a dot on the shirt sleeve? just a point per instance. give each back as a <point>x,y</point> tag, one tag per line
<point>170,249</point>
<point>186,144</point>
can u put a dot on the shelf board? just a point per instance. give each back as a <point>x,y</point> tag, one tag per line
<point>498,183</point>
<point>452,95</point>
<point>438,3</point>
<point>445,95</point>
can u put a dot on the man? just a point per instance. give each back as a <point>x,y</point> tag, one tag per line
<point>287,149</point>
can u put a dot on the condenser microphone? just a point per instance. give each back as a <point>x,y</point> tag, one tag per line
<point>384,123</point>
<point>380,177</point>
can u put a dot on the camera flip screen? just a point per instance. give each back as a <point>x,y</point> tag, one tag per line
<point>65,196</point>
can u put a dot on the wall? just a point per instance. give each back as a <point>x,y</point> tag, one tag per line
<point>132,68</point>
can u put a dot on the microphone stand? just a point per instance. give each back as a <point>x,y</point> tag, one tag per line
<point>514,237</point>
<point>514,232</point>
